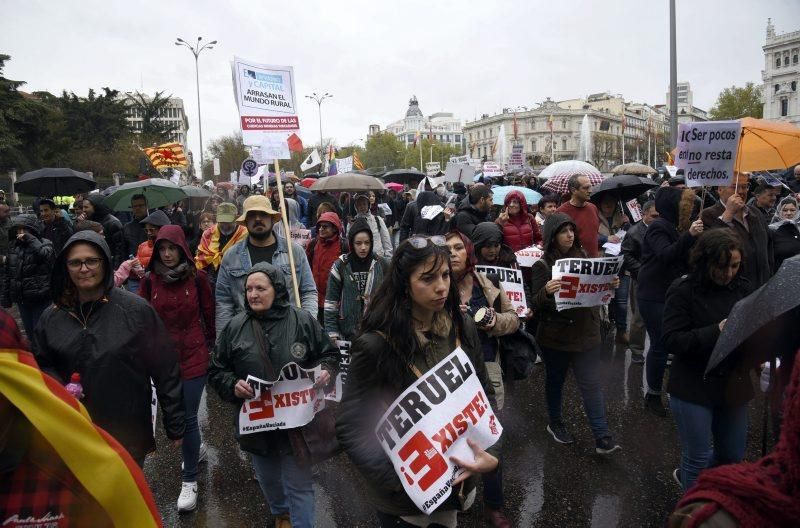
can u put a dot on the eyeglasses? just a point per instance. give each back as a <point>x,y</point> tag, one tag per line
<point>325,226</point>
<point>90,263</point>
<point>420,242</point>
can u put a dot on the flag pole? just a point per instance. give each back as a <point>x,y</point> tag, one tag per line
<point>288,233</point>
<point>420,153</point>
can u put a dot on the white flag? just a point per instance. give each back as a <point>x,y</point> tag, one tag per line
<point>312,160</point>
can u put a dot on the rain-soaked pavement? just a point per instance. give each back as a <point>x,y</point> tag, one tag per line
<point>546,484</point>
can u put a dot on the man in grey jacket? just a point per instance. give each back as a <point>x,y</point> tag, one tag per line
<point>261,245</point>
<point>632,252</point>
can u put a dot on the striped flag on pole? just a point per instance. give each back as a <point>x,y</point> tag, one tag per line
<point>166,156</point>
<point>357,161</point>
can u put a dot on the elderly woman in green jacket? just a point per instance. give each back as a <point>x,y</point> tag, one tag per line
<point>290,335</point>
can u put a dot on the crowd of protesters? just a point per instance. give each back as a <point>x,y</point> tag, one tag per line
<point>184,296</point>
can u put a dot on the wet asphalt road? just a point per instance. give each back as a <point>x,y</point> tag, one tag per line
<point>546,484</point>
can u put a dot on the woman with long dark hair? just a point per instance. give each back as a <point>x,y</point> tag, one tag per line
<point>708,408</point>
<point>181,295</point>
<point>414,322</point>
<point>568,338</point>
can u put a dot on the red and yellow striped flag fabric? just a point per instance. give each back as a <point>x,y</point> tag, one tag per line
<point>166,156</point>
<point>105,471</point>
<point>357,161</point>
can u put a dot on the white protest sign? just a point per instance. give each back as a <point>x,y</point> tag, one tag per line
<point>291,401</point>
<point>517,160</point>
<point>458,172</point>
<point>272,147</point>
<point>216,167</point>
<point>387,211</point>
<point>463,160</point>
<point>706,152</point>
<point>341,378</point>
<point>344,164</point>
<point>528,256</point>
<point>265,98</point>
<point>432,421</point>
<point>614,248</point>
<point>585,282</point>
<point>234,177</point>
<point>672,170</point>
<point>301,236</point>
<point>433,168</point>
<point>429,212</point>
<point>492,169</point>
<point>635,210</point>
<point>511,282</point>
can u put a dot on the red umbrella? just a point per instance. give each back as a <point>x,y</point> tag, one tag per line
<point>308,182</point>
<point>398,187</point>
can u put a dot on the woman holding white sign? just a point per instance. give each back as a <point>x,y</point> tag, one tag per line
<point>569,338</point>
<point>414,322</point>
<point>267,336</point>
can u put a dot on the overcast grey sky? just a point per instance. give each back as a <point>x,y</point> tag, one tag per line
<point>464,57</point>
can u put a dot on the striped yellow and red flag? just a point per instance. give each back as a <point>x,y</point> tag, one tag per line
<point>166,156</point>
<point>100,464</point>
<point>357,161</point>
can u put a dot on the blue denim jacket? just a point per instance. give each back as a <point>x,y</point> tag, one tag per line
<point>233,274</point>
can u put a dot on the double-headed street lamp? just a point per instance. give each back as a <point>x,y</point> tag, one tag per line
<point>319,98</point>
<point>196,50</point>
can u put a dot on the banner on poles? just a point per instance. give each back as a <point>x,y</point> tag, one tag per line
<point>291,401</point>
<point>585,282</point>
<point>511,281</point>
<point>433,168</point>
<point>492,170</point>
<point>344,164</point>
<point>517,160</point>
<point>706,151</point>
<point>461,160</point>
<point>265,97</point>
<point>528,256</point>
<point>432,421</point>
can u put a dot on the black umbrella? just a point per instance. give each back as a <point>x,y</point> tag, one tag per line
<point>761,321</point>
<point>403,175</point>
<point>54,182</point>
<point>623,188</point>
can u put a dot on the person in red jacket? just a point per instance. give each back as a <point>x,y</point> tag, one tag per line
<point>181,295</point>
<point>322,252</point>
<point>520,229</point>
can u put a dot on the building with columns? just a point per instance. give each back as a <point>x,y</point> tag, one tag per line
<point>781,75</point>
<point>552,130</point>
<point>443,127</point>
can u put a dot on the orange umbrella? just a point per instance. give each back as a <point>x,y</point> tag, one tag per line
<point>767,145</point>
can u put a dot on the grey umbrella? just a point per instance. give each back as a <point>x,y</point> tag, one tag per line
<point>758,320</point>
<point>348,182</point>
<point>54,182</point>
<point>637,169</point>
<point>193,191</point>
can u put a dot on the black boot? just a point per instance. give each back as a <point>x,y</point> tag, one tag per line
<point>652,402</point>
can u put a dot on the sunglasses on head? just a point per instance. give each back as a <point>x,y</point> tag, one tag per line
<point>420,242</point>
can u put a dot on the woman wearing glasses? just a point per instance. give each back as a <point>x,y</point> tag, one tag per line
<point>414,321</point>
<point>115,341</point>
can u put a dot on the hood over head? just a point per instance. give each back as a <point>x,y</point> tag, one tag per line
<point>100,208</point>
<point>278,280</point>
<point>358,226</point>
<point>472,258</point>
<point>427,198</point>
<point>675,205</point>
<point>28,221</point>
<point>174,234</point>
<point>485,234</point>
<point>60,281</point>
<point>331,218</point>
<point>778,220</point>
<point>551,227</point>
<point>156,218</point>
<point>523,203</point>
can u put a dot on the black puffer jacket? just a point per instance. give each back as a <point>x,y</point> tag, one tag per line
<point>26,274</point>
<point>412,222</point>
<point>116,344</point>
<point>112,229</point>
<point>468,217</point>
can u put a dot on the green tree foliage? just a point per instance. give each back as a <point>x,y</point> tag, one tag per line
<point>150,109</point>
<point>383,150</point>
<point>735,103</point>
<point>231,152</point>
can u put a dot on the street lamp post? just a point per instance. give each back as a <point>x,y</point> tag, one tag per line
<point>319,98</point>
<point>196,50</point>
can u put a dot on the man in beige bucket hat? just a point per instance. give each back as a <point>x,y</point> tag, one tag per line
<point>260,245</point>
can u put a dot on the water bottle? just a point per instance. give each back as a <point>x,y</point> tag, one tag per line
<point>74,386</point>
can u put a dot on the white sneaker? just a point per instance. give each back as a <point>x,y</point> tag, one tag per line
<point>203,455</point>
<point>187,500</point>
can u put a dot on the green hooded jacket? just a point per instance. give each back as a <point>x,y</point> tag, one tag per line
<point>293,335</point>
